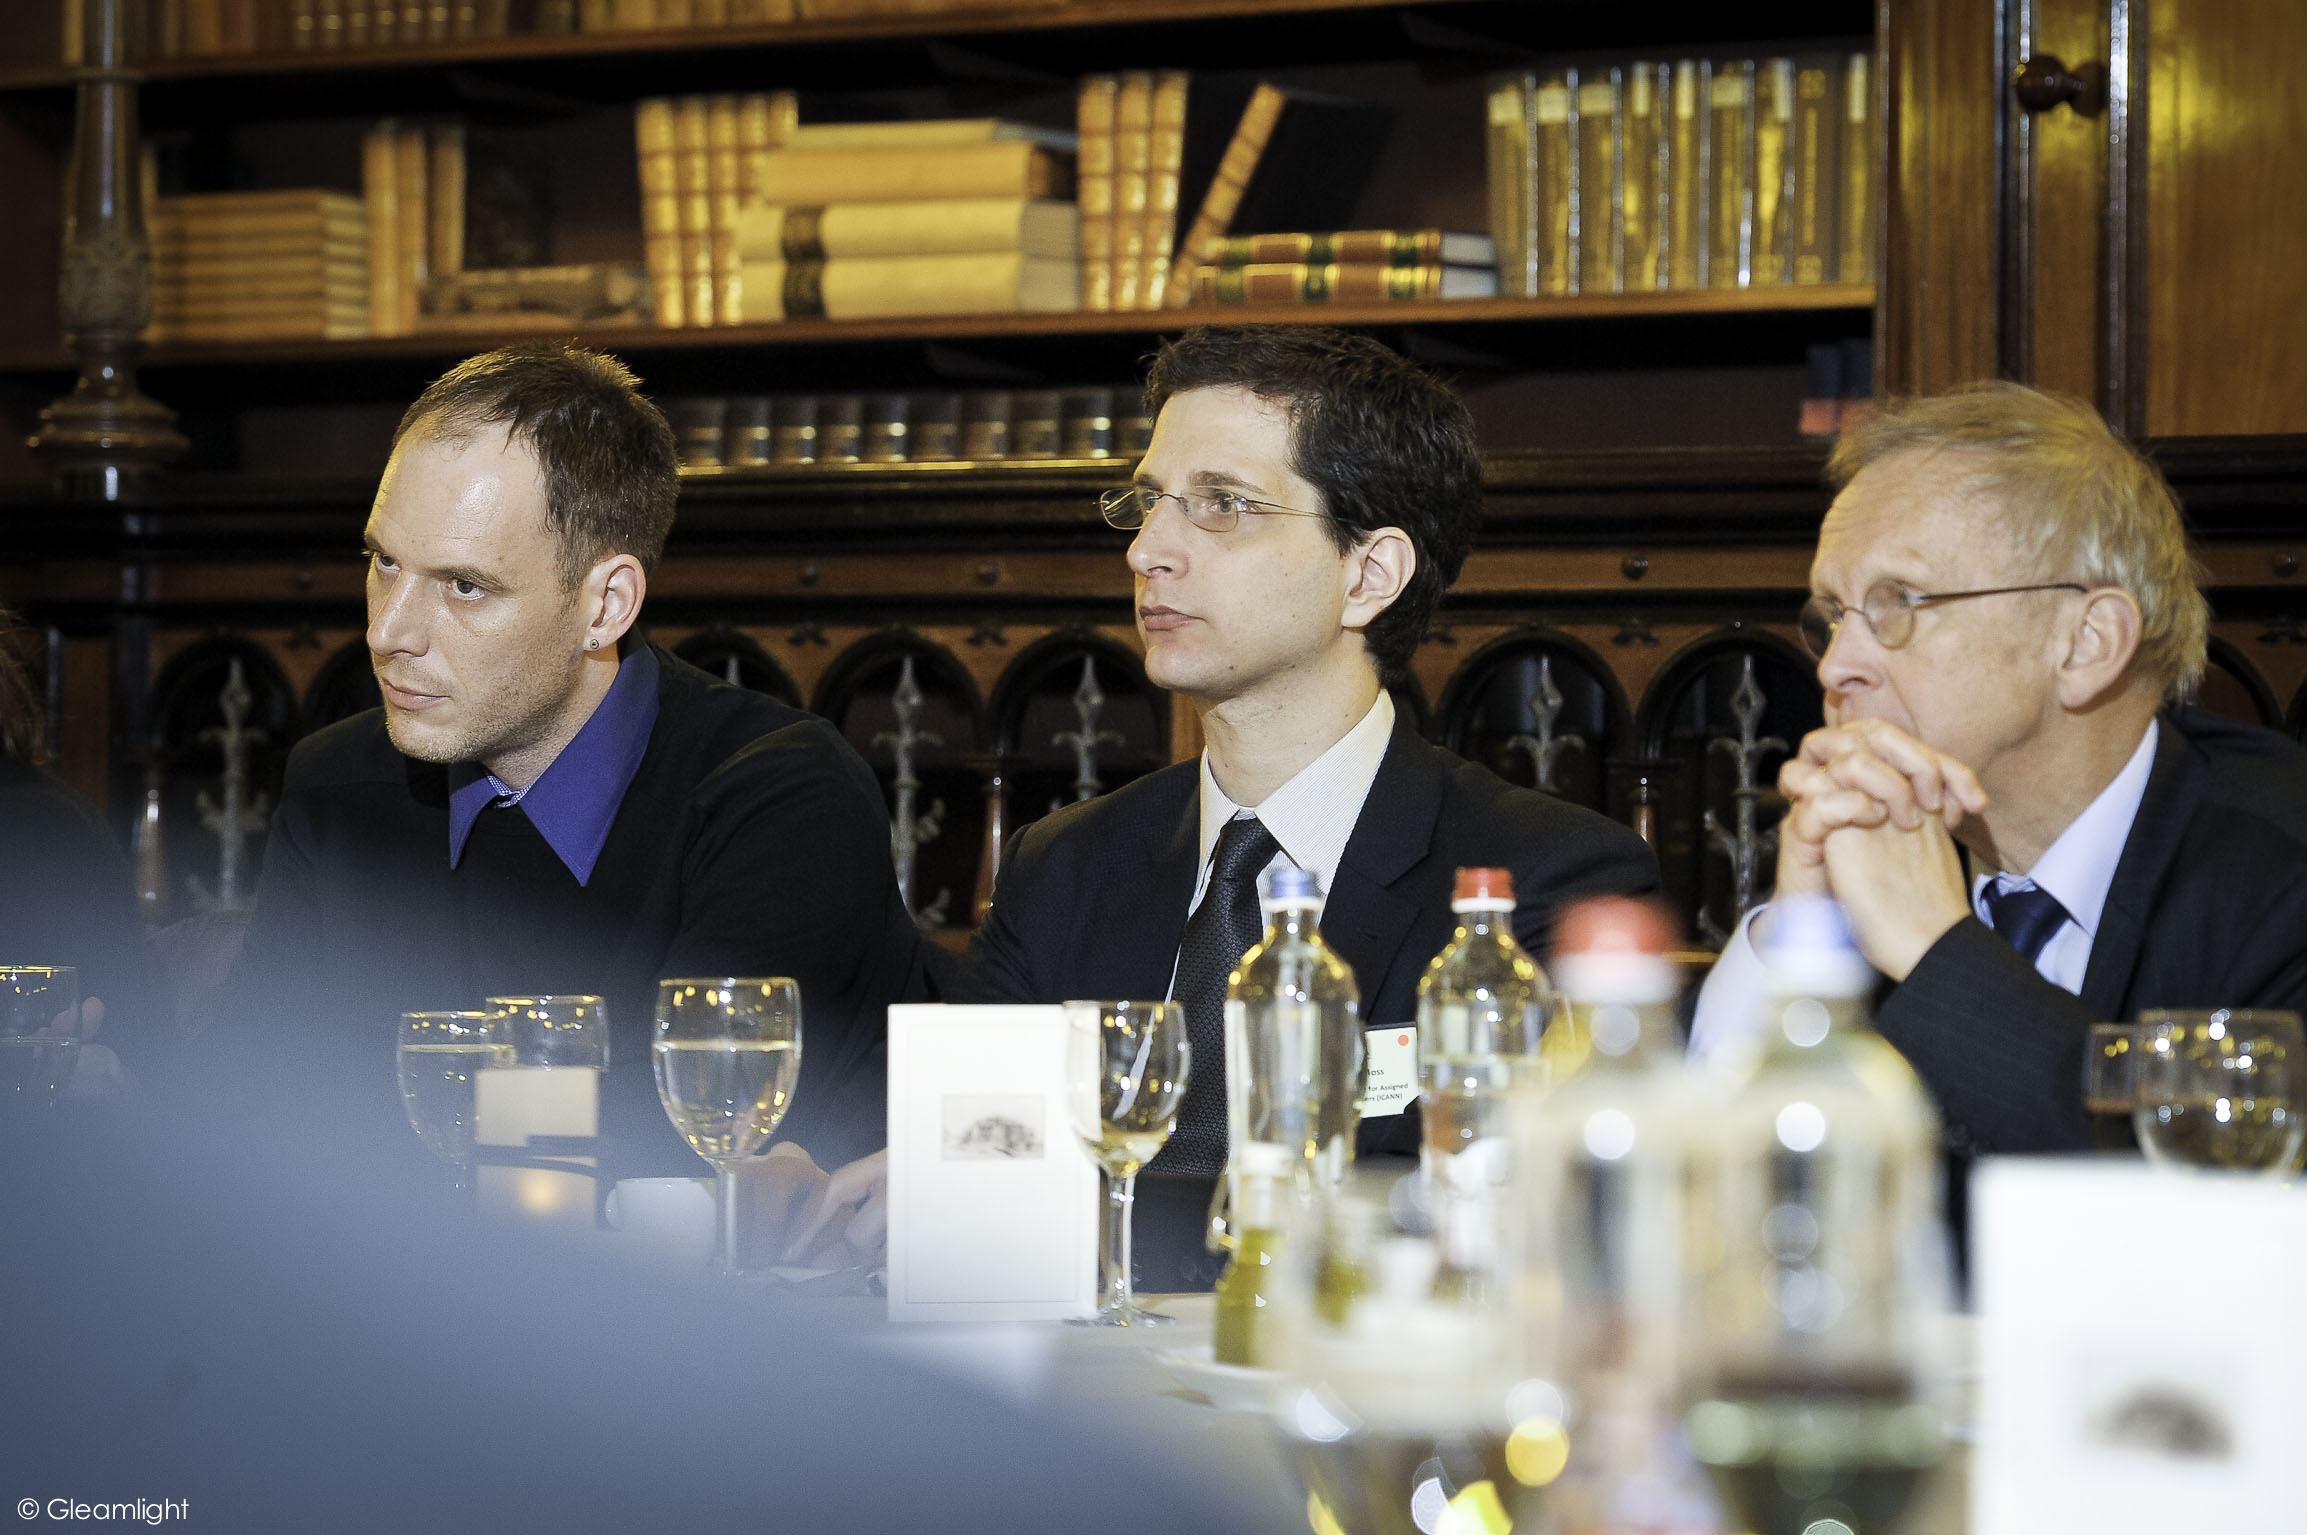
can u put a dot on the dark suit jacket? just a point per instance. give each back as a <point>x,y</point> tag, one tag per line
<point>2208,909</point>
<point>1092,900</point>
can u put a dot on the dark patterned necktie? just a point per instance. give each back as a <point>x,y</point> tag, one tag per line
<point>2026,916</point>
<point>1221,928</point>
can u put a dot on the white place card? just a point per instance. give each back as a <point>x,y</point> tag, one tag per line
<point>548,1113</point>
<point>993,1201</point>
<point>2144,1349</point>
<point>1392,1052</point>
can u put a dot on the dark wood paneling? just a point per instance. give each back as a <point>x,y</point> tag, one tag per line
<point>1937,317</point>
<point>2226,211</point>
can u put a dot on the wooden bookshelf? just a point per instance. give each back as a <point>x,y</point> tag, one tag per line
<point>1821,298</point>
<point>1505,29</point>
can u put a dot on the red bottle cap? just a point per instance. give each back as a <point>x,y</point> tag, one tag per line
<point>1484,885</point>
<point>1614,924</point>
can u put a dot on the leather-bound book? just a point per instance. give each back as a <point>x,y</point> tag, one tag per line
<point>1095,110</point>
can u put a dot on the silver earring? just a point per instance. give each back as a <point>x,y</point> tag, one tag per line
<point>592,644</point>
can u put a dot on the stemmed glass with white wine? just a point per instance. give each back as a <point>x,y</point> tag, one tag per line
<point>1125,1075</point>
<point>442,1055</point>
<point>727,1053</point>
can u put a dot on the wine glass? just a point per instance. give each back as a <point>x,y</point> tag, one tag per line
<point>727,1053</point>
<point>441,1057</point>
<point>39,1045</point>
<point>567,1030</point>
<point>2221,1089</point>
<point>1125,1077</point>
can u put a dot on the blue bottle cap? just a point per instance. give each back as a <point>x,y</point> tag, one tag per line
<point>1288,882</point>
<point>1807,944</point>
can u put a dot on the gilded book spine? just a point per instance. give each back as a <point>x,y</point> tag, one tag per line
<point>660,208</point>
<point>1132,147</point>
<point>1508,149</point>
<point>1224,198</point>
<point>1686,178</point>
<point>1642,171</point>
<point>1553,156</point>
<point>1094,112</point>
<point>1730,184</point>
<point>1594,190</point>
<point>1811,227</point>
<point>1165,161</point>
<point>1773,171</point>
<point>1856,215</point>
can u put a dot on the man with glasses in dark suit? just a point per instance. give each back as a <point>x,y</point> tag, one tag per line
<point>1306,499</point>
<point>2026,825</point>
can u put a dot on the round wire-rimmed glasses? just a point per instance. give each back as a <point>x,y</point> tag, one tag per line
<point>1889,610</point>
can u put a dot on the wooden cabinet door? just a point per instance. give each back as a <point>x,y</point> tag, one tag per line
<point>2104,197</point>
<point>2224,303</point>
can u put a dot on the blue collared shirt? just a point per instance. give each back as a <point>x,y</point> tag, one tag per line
<point>574,801</point>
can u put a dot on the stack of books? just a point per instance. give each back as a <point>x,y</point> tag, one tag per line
<point>1689,173</point>
<point>953,216</point>
<point>1350,266</point>
<point>701,159</point>
<point>259,266</point>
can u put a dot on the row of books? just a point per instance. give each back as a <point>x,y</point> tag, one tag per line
<point>459,225</point>
<point>167,29</point>
<point>1690,173</point>
<point>171,29</point>
<point>1838,389</point>
<point>977,426</point>
<point>1235,153</point>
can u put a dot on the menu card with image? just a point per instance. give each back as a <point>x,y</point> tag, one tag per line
<point>2144,1350</point>
<point>993,1201</point>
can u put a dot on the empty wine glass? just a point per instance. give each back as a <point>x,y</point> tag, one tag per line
<point>2221,1089</point>
<point>441,1057</point>
<point>727,1053</point>
<point>1125,1077</point>
<point>39,1017</point>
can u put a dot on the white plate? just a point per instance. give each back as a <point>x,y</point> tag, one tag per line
<point>1227,1387</point>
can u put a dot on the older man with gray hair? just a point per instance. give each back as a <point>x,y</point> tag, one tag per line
<point>2025,823</point>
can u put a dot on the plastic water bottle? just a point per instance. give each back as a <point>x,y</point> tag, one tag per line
<point>1295,1071</point>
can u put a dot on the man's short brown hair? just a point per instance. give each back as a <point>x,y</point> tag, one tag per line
<point>2077,502</point>
<point>612,473</point>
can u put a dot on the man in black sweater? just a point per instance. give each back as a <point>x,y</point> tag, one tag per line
<point>532,811</point>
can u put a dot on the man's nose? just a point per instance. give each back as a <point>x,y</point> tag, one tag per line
<point>394,623</point>
<point>1159,542</point>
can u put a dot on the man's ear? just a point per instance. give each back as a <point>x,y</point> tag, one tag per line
<point>613,592</point>
<point>2101,644</point>
<point>1377,571</point>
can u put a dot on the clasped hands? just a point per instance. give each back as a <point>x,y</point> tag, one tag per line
<point>1871,817</point>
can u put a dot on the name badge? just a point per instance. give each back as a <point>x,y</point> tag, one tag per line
<point>1393,1080</point>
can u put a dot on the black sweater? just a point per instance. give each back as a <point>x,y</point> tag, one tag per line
<point>752,841</point>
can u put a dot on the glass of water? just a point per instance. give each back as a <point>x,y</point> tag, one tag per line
<point>2221,1089</point>
<point>727,1052</point>
<point>442,1055</point>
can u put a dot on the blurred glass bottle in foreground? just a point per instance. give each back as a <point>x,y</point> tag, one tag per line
<point>1814,1346</point>
<point>1483,1006</point>
<point>1295,1069</point>
<point>1599,1166</point>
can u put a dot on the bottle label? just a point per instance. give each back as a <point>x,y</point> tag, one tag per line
<point>1393,1081</point>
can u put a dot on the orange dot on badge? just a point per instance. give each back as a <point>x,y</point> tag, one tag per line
<point>1401,1039</point>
